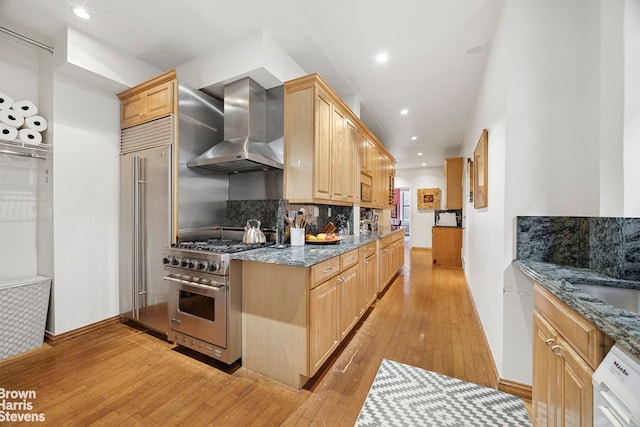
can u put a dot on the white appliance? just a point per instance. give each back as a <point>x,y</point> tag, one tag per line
<point>616,390</point>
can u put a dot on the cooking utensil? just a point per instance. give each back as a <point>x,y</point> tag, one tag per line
<point>252,233</point>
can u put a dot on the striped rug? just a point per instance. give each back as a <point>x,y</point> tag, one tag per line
<point>404,395</point>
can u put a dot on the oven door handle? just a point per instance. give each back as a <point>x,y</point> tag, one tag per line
<point>219,286</point>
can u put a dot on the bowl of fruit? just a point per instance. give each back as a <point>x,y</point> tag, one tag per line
<point>322,239</point>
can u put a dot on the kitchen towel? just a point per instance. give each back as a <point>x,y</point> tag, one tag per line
<point>5,101</point>
<point>30,136</point>
<point>36,123</point>
<point>12,118</point>
<point>8,133</point>
<point>27,108</point>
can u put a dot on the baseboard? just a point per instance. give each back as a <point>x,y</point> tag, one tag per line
<point>521,390</point>
<point>420,249</point>
<point>494,369</point>
<point>54,340</point>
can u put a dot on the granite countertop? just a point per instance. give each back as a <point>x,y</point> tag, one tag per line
<point>621,325</point>
<point>309,254</point>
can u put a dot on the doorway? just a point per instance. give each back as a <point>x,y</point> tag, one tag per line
<point>403,208</point>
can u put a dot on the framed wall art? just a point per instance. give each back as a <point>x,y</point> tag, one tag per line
<point>428,198</point>
<point>470,179</point>
<point>480,172</point>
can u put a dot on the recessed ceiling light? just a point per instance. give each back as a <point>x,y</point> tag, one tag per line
<point>382,57</point>
<point>419,154</point>
<point>404,112</point>
<point>424,164</point>
<point>413,138</point>
<point>81,12</point>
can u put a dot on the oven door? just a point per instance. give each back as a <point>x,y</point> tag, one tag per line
<point>199,310</point>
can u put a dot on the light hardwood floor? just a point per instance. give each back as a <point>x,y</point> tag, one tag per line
<point>119,375</point>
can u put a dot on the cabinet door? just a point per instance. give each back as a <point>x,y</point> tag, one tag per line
<point>337,161</point>
<point>384,268</point>
<point>132,110</point>
<point>545,383</point>
<point>350,161</point>
<point>575,404</point>
<point>400,253</point>
<point>453,181</point>
<point>324,332</point>
<point>322,147</point>
<point>159,101</point>
<point>349,310</point>
<point>371,287</point>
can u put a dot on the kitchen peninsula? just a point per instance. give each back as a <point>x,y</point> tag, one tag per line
<point>299,303</point>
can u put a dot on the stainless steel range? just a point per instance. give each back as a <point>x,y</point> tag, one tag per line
<point>205,304</point>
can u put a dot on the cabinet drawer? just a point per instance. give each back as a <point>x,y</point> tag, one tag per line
<point>324,270</point>
<point>386,241</point>
<point>369,249</point>
<point>348,259</point>
<point>583,336</point>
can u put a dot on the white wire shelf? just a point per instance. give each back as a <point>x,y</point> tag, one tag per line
<point>25,149</point>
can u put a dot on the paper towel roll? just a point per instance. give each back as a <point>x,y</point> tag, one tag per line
<point>29,135</point>
<point>11,117</point>
<point>27,108</point>
<point>8,133</point>
<point>36,123</point>
<point>5,101</point>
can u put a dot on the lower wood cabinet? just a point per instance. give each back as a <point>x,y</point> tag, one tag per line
<point>563,393</point>
<point>324,331</point>
<point>566,350</point>
<point>349,311</point>
<point>368,276</point>
<point>391,258</point>
<point>447,246</point>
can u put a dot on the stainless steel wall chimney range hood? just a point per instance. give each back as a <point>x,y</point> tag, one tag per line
<point>245,147</point>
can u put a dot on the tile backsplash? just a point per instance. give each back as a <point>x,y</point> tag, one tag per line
<point>271,213</point>
<point>608,245</point>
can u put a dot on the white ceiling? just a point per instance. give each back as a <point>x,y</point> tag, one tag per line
<point>437,51</point>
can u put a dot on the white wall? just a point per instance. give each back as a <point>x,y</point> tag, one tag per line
<point>549,105</point>
<point>631,107</point>
<point>85,187</point>
<point>421,220</point>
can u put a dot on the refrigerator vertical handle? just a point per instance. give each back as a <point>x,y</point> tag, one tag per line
<point>135,309</point>
<point>142,224</point>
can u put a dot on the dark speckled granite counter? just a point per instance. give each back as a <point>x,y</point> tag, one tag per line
<point>308,255</point>
<point>621,325</point>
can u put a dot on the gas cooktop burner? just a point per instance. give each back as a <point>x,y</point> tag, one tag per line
<point>226,246</point>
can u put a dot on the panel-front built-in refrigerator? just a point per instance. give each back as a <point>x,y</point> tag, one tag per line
<point>146,224</point>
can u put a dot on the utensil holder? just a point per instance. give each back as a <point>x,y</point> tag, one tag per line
<point>297,236</point>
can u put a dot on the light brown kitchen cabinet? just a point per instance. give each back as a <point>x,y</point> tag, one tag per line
<point>349,310</point>
<point>300,315</point>
<point>453,182</point>
<point>566,350</point>
<point>446,246</point>
<point>323,152</point>
<point>324,331</point>
<point>368,154</point>
<point>149,100</point>
<point>391,258</point>
<point>319,156</point>
<point>369,276</point>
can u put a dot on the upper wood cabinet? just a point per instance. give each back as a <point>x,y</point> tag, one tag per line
<point>453,182</point>
<point>324,148</point>
<point>149,100</point>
